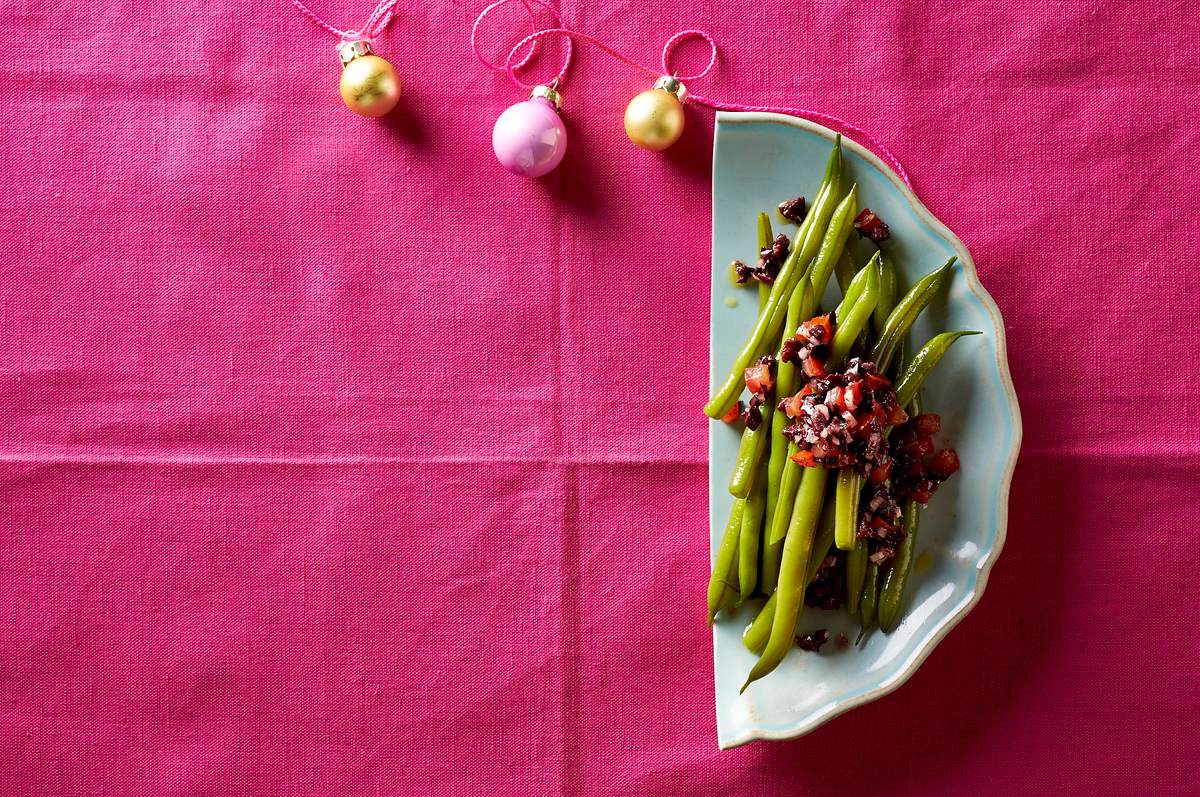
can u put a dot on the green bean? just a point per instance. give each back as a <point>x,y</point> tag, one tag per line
<point>849,484</point>
<point>848,328</point>
<point>810,499</point>
<point>806,510</point>
<point>887,295</point>
<point>792,573</point>
<point>772,553</point>
<point>845,270</point>
<point>857,569</point>
<point>870,596</point>
<point>789,482</point>
<point>750,453</point>
<point>925,361</point>
<point>824,540</point>
<point>764,296</point>
<point>801,303</point>
<point>891,596</point>
<point>756,442</point>
<point>752,520</point>
<point>752,444</point>
<point>785,385</point>
<point>901,319</point>
<point>841,224</point>
<point>809,236</point>
<point>844,334</point>
<point>856,573</point>
<point>757,633</point>
<point>725,568</point>
<point>765,234</point>
<point>850,481</point>
<point>730,598</point>
<point>765,237</point>
<point>845,527</point>
<point>834,241</point>
<point>852,292</point>
<point>755,637</point>
<point>773,315</point>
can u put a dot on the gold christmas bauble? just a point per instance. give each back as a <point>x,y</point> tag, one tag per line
<point>654,119</point>
<point>369,85</point>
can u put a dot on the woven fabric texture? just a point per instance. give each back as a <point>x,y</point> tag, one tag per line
<point>334,460</point>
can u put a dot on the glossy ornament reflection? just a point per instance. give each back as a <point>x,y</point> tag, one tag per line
<point>529,138</point>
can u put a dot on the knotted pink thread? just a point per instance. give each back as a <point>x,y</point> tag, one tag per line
<point>375,24</point>
<point>511,64</point>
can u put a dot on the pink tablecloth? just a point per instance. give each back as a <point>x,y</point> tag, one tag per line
<point>335,461</point>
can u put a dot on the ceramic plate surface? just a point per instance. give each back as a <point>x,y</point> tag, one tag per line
<point>758,161</point>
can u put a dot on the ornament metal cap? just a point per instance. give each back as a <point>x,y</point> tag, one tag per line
<point>549,94</point>
<point>672,85</point>
<point>354,48</point>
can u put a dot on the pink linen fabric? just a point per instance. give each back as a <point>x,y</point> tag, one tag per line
<point>335,460</point>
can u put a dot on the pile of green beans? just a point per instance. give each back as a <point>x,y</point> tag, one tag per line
<point>786,519</point>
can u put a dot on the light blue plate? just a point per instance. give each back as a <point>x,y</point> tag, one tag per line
<point>760,160</point>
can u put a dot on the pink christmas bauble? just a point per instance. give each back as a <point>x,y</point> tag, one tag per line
<point>530,138</point>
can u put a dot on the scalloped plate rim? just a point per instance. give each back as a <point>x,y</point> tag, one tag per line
<point>987,559</point>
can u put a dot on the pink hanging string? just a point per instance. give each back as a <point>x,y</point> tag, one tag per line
<point>380,18</point>
<point>512,63</point>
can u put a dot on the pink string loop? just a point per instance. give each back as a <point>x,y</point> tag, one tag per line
<point>510,66</point>
<point>380,18</point>
<point>678,39</point>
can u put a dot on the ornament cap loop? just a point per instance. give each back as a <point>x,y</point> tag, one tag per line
<point>673,86</point>
<point>353,48</point>
<point>549,94</point>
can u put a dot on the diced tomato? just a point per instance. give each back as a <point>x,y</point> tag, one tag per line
<point>881,473</point>
<point>758,378</point>
<point>944,463</point>
<point>919,448</point>
<point>871,226</point>
<point>734,413</point>
<point>852,396</point>
<point>806,458</point>
<point>813,368</point>
<point>879,523</point>
<point>849,397</point>
<point>928,423</point>
<point>790,350</point>
<point>920,496</point>
<point>818,328</point>
<point>791,406</point>
<point>874,382</point>
<point>807,390</point>
<point>897,416</point>
<point>869,421</point>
